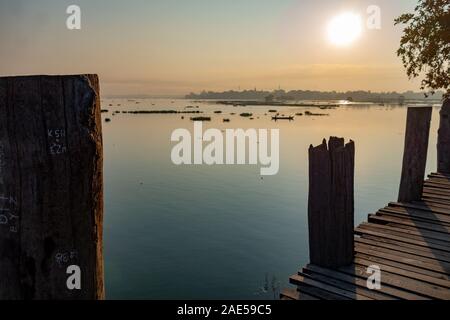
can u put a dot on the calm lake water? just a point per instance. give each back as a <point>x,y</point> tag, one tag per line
<point>222,232</point>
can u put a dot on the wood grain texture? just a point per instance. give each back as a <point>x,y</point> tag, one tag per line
<point>415,154</point>
<point>443,147</point>
<point>331,203</point>
<point>51,186</point>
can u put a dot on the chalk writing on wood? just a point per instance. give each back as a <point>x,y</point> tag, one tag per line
<point>8,213</point>
<point>64,257</point>
<point>56,139</point>
<point>2,163</point>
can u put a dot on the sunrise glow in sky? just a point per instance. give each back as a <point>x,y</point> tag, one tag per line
<point>174,47</point>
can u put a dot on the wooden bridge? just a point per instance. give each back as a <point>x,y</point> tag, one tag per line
<point>407,241</point>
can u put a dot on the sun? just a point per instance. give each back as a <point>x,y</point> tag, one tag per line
<point>344,29</point>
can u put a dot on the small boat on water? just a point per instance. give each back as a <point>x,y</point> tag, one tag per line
<point>283,118</point>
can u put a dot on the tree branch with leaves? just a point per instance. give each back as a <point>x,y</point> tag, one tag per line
<point>425,45</point>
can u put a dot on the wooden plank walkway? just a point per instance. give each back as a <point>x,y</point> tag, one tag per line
<point>409,242</point>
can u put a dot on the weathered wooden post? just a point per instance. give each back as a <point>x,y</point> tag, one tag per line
<point>51,187</point>
<point>443,148</point>
<point>415,154</point>
<point>331,203</point>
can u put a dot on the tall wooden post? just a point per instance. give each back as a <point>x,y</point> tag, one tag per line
<point>415,154</point>
<point>51,187</point>
<point>443,149</point>
<point>331,203</point>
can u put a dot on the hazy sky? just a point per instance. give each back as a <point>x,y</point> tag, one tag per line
<point>178,46</point>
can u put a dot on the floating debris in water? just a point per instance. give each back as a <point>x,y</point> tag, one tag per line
<point>309,113</point>
<point>163,112</point>
<point>218,112</point>
<point>246,115</point>
<point>226,120</point>
<point>282,118</point>
<point>105,110</point>
<point>201,119</point>
<point>107,120</point>
<point>272,111</point>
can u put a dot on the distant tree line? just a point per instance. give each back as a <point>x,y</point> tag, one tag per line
<point>282,95</point>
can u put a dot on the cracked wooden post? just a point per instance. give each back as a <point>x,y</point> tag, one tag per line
<point>443,148</point>
<point>415,154</point>
<point>51,187</point>
<point>331,203</point>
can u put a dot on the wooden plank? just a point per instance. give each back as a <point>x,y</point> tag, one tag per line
<point>434,196</point>
<point>438,191</point>
<point>435,237</point>
<point>399,247</point>
<point>444,189</point>
<point>362,231</point>
<point>331,288</point>
<point>415,290</point>
<point>409,274</point>
<point>399,222</point>
<point>439,178</point>
<point>424,215</point>
<point>434,176</point>
<point>406,227</point>
<point>438,201</point>
<point>431,204</point>
<point>419,208</point>
<point>440,174</point>
<point>318,293</point>
<point>355,281</point>
<point>408,261</point>
<point>401,266</point>
<point>405,216</point>
<point>437,185</point>
<point>292,294</point>
<point>407,258</point>
<point>299,279</point>
<point>443,245</point>
<point>345,285</point>
<point>428,197</point>
<point>405,283</point>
